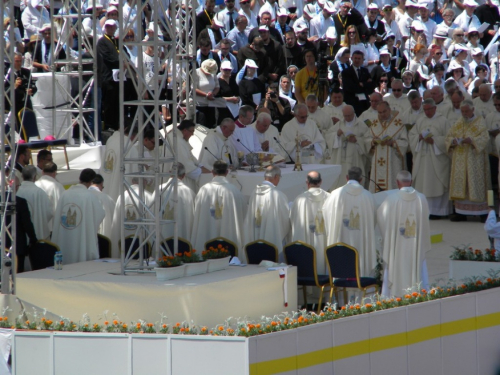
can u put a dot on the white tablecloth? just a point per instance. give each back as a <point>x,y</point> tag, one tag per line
<point>292,183</point>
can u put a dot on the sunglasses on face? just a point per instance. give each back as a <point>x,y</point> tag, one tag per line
<point>439,53</point>
<point>352,33</point>
<point>387,9</point>
<point>397,90</point>
<point>460,35</point>
<point>473,35</point>
<point>383,80</point>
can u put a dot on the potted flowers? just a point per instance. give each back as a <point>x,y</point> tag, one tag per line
<point>169,267</point>
<point>193,262</point>
<point>217,258</point>
<point>468,262</point>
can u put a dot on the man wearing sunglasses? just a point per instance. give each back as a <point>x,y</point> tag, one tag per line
<point>397,100</point>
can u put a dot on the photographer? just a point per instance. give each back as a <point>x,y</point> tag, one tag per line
<point>24,87</point>
<point>280,107</point>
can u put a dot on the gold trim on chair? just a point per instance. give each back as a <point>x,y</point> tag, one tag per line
<point>180,239</point>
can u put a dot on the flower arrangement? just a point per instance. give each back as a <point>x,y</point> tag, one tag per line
<point>466,252</point>
<point>190,257</point>
<point>168,261</point>
<point>215,252</point>
<point>243,327</point>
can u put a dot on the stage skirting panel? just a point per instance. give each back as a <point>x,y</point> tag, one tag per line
<point>209,299</point>
<point>456,335</point>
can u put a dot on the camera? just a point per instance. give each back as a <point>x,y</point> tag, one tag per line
<point>26,84</point>
<point>273,95</point>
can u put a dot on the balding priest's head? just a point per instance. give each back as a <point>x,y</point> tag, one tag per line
<point>354,174</point>
<point>313,180</point>
<point>403,179</point>
<point>273,175</point>
<point>220,169</point>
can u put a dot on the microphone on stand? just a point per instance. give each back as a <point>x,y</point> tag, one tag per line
<point>378,187</point>
<point>241,143</point>
<point>288,162</point>
<point>211,153</point>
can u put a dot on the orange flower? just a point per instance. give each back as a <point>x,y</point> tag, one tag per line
<point>335,312</point>
<point>368,305</point>
<point>321,313</point>
<point>177,324</point>
<point>398,299</point>
<point>251,326</point>
<point>274,324</point>
<point>379,303</point>
<point>424,291</point>
<point>164,326</point>
<point>489,280</point>
<point>106,323</point>
<point>342,308</point>
<point>49,322</point>
<point>124,326</point>
<point>27,322</point>
<point>203,329</point>
<point>138,325</point>
<point>407,296</point>
<point>221,328</point>
<point>479,283</point>
<point>258,325</point>
<point>301,319</point>
<point>187,329</point>
<point>414,294</point>
<point>149,325</point>
<point>182,330</point>
<point>85,325</point>
<point>219,246</point>
<point>43,319</point>
<point>115,322</point>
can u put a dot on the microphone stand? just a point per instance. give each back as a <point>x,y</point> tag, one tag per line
<point>284,149</point>
<point>377,185</point>
<point>250,160</point>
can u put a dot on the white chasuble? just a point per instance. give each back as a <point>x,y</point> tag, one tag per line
<point>306,132</point>
<point>109,208</point>
<point>40,207</point>
<point>219,210</point>
<point>308,224</point>
<point>349,214</point>
<point>403,219</point>
<point>387,161</point>
<point>52,187</point>
<point>76,222</point>
<point>219,146</point>
<point>267,216</point>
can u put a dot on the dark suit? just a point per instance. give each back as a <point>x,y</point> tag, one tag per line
<point>352,86</point>
<point>354,18</point>
<point>37,56</point>
<point>202,21</point>
<point>108,58</point>
<point>336,70</point>
<point>20,94</point>
<point>273,33</point>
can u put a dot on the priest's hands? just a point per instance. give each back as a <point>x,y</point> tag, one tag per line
<point>429,140</point>
<point>352,138</point>
<point>305,143</point>
<point>335,120</point>
<point>388,142</point>
<point>494,132</point>
<point>265,146</point>
<point>467,141</point>
<point>340,132</point>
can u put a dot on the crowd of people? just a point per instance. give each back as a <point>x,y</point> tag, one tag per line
<point>379,87</point>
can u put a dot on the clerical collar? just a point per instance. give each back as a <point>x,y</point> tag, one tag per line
<point>94,188</point>
<point>407,189</point>
<point>471,119</point>
<point>269,183</point>
<point>353,182</point>
<point>239,124</point>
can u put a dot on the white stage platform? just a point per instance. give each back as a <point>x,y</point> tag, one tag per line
<point>208,299</point>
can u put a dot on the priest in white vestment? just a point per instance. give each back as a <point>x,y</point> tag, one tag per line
<point>492,121</point>
<point>467,141</point>
<point>431,163</point>
<point>320,116</point>
<point>306,217</point>
<point>268,214</point>
<point>219,210</point>
<point>371,114</point>
<point>107,203</point>
<point>217,146</point>
<point>414,111</point>
<point>39,204</point>
<point>483,104</point>
<point>334,108</point>
<point>244,137</point>
<point>437,94</point>
<point>268,135</point>
<point>193,168</point>
<point>396,99</point>
<point>110,168</point>
<point>312,143</point>
<point>349,214</point>
<point>351,144</point>
<point>185,206</point>
<point>136,206</point>
<point>389,145</point>
<point>454,113</point>
<point>403,219</point>
<point>50,185</point>
<point>76,221</point>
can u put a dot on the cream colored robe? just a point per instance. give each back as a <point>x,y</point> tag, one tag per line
<point>403,219</point>
<point>483,108</point>
<point>309,132</point>
<point>40,207</point>
<point>397,104</point>
<point>431,163</point>
<point>349,214</point>
<point>387,161</point>
<point>53,188</point>
<point>109,208</point>
<point>218,145</point>
<point>492,121</point>
<point>308,224</point>
<point>469,172</point>
<point>348,154</point>
<point>271,133</point>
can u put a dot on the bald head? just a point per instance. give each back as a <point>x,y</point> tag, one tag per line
<point>397,88</point>
<point>485,92</point>
<point>313,179</point>
<point>375,99</point>
<point>348,113</point>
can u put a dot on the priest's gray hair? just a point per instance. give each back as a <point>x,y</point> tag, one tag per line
<point>264,116</point>
<point>429,101</point>
<point>450,85</point>
<point>29,173</point>
<point>311,98</point>
<point>355,173</point>
<point>413,94</point>
<point>438,88</point>
<point>181,170</point>
<point>485,86</point>
<point>403,176</point>
<point>271,172</point>
<point>299,106</point>
<point>467,103</point>
<point>244,110</point>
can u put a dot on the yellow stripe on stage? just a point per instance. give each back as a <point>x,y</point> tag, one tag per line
<point>358,348</point>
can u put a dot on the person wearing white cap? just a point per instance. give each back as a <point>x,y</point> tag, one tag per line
<point>467,18</point>
<point>252,89</point>
<point>274,51</point>
<point>372,21</point>
<point>34,16</point>
<point>323,21</point>
<point>457,39</point>
<point>405,22</point>
<point>438,41</point>
<point>385,67</point>
<point>226,55</point>
<point>44,58</point>
<point>87,22</point>
<point>229,90</point>
<point>428,23</point>
<point>417,36</point>
<point>437,78</point>
<point>391,26</point>
<point>207,89</point>
<point>461,53</point>
<point>111,13</point>
<point>265,19</point>
<point>477,59</point>
<point>303,41</point>
<point>303,23</point>
<point>282,25</point>
<point>456,72</point>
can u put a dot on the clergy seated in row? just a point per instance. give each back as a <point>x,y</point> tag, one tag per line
<point>218,210</point>
<point>39,204</point>
<point>349,214</point>
<point>267,217</point>
<point>185,204</point>
<point>107,203</point>
<point>403,219</point>
<point>431,163</point>
<point>350,145</point>
<point>312,144</point>
<point>217,145</point>
<point>76,221</point>
<point>467,141</point>
<point>388,148</point>
<point>306,217</point>
<point>134,197</point>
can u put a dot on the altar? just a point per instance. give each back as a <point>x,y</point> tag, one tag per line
<point>97,286</point>
<point>292,182</point>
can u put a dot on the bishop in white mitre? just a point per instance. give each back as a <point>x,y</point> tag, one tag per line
<point>219,209</point>
<point>403,219</point>
<point>311,141</point>
<point>349,214</point>
<point>217,146</point>
<point>50,185</point>
<point>185,206</point>
<point>389,145</point>
<point>136,206</point>
<point>39,204</point>
<point>76,221</point>
<point>306,217</point>
<point>351,144</point>
<point>110,168</point>
<point>431,163</point>
<point>107,203</point>
<point>268,214</point>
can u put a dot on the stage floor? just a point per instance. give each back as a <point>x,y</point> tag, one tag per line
<point>92,288</point>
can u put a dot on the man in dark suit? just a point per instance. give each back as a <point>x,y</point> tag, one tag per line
<point>357,84</point>
<point>205,17</point>
<point>24,230</point>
